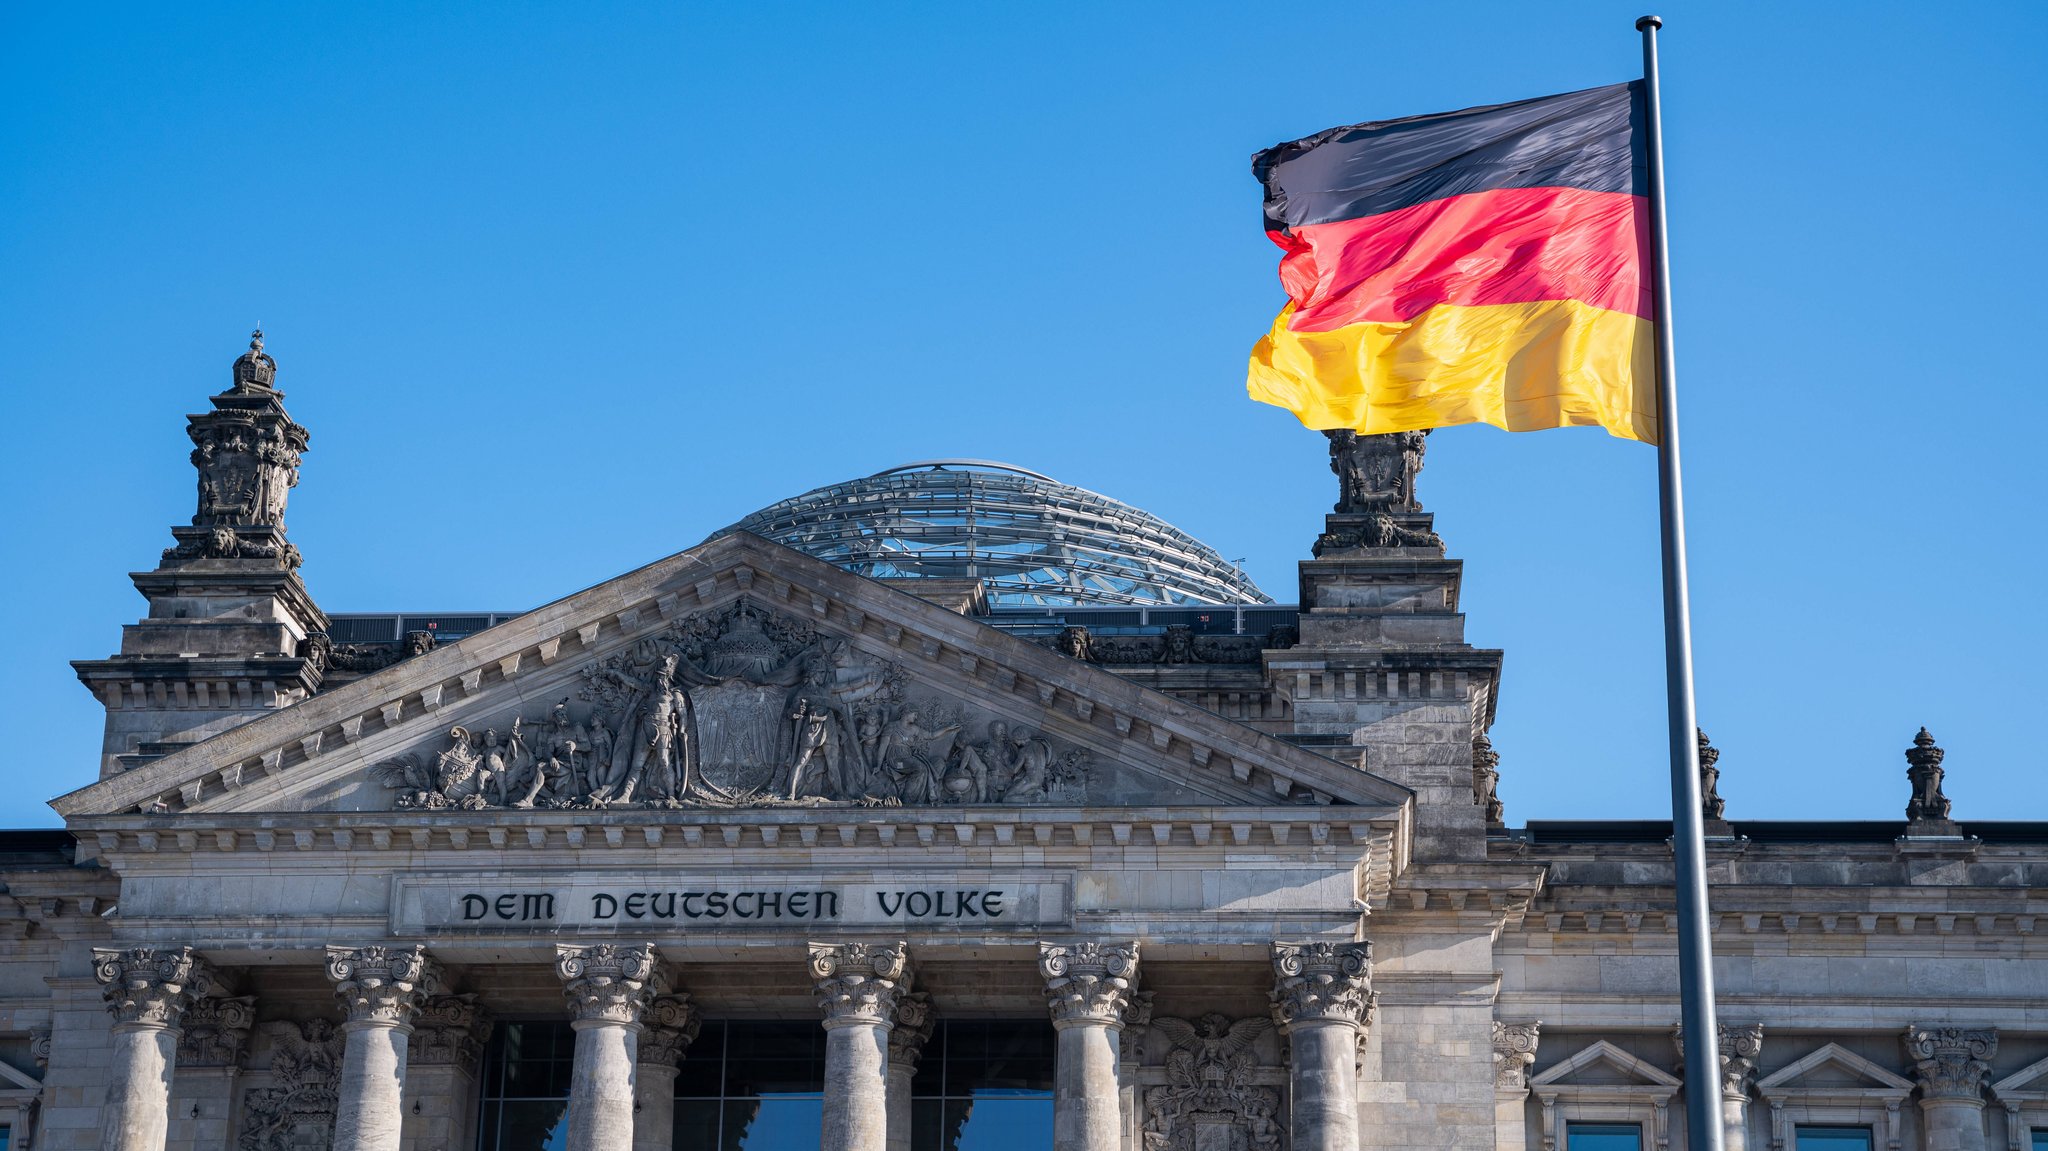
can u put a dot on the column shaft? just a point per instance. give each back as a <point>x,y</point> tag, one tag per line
<point>137,1115</point>
<point>601,1085</point>
<point>1324,1082</point>
<point>608,987</point>
<point>856,1087</point>
<point>147,990</point>
<point>654,1106</point>
<point>859,986</point>
<point>369,1115</point>
<point>1087,1098</point>
<point>1734,1123</point>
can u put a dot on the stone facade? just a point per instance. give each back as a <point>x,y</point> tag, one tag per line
<point>1258,890</point>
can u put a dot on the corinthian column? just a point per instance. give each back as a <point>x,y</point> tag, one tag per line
<point>381,989</point>
<point>1739,1048</point>
<point>671,1026</point>
<point>1322,996</point>
<point>147,989</point>
<point>1951,1063</point>
<point>608,987</point>
<point>1088,988</point>
<point>906,1046</point>
<point>859,985</point>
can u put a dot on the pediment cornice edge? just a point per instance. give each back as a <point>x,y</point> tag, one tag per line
<point>1222,751</point>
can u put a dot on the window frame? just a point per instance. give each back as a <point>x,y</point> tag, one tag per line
<point>2024,1095</point>
<point>1646,1103</point>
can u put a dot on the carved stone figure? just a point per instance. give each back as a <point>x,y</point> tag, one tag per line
<point>1073,642</point>
<point>1210,1099</point>
<point>296,1112</point>
<point>1711,804</point>
<point>1486,779</point>
<point>1376,473</point>
<point>786,717</point>
<point>1923,761</point>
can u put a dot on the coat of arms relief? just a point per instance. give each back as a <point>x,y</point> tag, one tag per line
<point>743,707</point>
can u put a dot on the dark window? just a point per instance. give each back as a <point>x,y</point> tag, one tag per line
<point>752,1086</point>
<point>2040,1142</point>
<point>1831,1138</point>
<point>984,1085</point>
<point>526,1087</point>
<point>1603,1137</point>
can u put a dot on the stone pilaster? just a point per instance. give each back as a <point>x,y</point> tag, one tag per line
<point>1088,988</point>
<point>147,992</point>
<point>671,1025</point>
<point>381,989</point>
<point>859,987</point>
<point>1322,998</point>
<point>608,987</point>
<point>1514,1049</point>
<point>443,1060</point>
<point>1739,1048</point>
<point>1951,1064</point>
<point>214,1036</point>
<point>914,1021</point>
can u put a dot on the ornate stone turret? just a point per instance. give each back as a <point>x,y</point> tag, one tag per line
<point>231,630</point>
<point>1927,809</point>
<point>1382,662</point>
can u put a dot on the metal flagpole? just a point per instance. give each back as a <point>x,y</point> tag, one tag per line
<point>1688,835</point>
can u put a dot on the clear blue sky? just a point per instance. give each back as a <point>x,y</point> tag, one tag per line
<point>559,289</point>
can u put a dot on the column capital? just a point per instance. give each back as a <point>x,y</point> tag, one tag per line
<point>860,982</point>
<point>671,1023</point>
<point>607,982</point>
<point>150,986</point>
<point>1514,1049</point>
<point>450,1031</point>
<point>914,1020</point>
<point>1322,981</point>
<point>1740,1045</point>
<point>1089,982</point>
<point>381,985</point>
<point>213,1032</point>
<point>1951,1062</point>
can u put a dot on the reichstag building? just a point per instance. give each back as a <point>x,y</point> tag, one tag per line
<point>948,808</point>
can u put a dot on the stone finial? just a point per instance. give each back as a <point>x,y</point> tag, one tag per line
<point>450,1031</point>
<point>1322,981</point>
<point>860,982</point>
<point>1486,779</point>
<point>255,370</point>
<point>914,1022</point>
<point>1951,1062</point>
<point>671,1023</point>
<point>1376,473</point>
<point>213,1032</point>
<point>1739,1048</point>
<point>608,982</point>
<point>150,986</point>
<point>1923,768</point>
<point>1712,806</point>
<point>1088,983</point>
<point>1514,1049</point>
<point>382,985</point>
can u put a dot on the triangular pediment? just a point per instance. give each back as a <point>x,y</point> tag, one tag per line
<point>1603,1065</point>
<point>2027,1085</point>
<point>1833,1068</point>
<point>704,679</point>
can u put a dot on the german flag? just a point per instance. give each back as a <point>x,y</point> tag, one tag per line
<point>1484,266</point>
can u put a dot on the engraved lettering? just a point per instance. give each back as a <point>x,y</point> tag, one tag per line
<point>474,906</point>
<point>771,904</point>
<point>882,897</point>
<point>507,906</point>
<point>992,904</point>
<point>828,897</point>
<point>538,906</point>
<point>963,902</point>
<point>799,904</point>
<point>910,904</point>
<point>736,904</point>
<point>687,897</point>
<point>715,905</point>
<point>636,905</point>
<point>654,905</point>
<point>603,906</point>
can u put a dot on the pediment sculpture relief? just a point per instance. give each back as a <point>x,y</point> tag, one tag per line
<point>740,708</point>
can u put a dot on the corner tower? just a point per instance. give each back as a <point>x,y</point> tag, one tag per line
<point>231,630</point>
<point>1383,665</point>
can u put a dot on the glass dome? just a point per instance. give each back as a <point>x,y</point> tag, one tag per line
<point>1031,540</point>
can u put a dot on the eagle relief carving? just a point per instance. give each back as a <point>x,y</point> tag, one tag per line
<point>1210,1101</point>
<point>296,1112</point>
<point>739,708</point>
